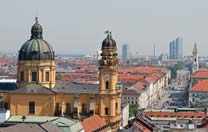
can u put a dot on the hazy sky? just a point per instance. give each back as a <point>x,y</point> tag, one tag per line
<point>72,26</point>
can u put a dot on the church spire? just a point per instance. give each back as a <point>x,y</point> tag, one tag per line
<point>109,93</point>
<point>195,51</point>
<point>195,61</point>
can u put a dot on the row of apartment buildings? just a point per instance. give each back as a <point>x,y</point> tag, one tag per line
<point>198,91</point>
<point>174,120</point>
<point>145,85</point>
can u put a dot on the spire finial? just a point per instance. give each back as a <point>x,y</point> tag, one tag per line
<point>109,34</point>
<point>195,48</point>
<point>36,31</point>
<point>36,20</point>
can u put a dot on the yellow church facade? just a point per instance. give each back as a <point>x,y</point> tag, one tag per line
<point>38,93</point>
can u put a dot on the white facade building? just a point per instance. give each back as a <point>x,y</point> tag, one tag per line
<point>145,92</point>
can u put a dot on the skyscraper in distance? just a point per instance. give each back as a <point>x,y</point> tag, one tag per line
<point>154,50</point>
<point>179,47</point>
<point>172,49</point>
<point>176,48</point>
<point>125,52</point>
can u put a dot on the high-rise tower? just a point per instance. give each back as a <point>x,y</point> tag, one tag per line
<point>154,50</point>
<point>125,53</point>
<point>176,48</point>
<point>110,95</point>
<point>195,65</point>
<point>36,61</point>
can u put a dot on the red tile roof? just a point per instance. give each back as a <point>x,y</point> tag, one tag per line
<point>202,73</point>
<point>93,123</point>
<point>130,77</point>
<point>176,114</point>
<point>204,123</point>
<point>141,69</point>
<point>152,79</point>
<point>129,92</point>
<point>139,126</point>
<point>200,86</point>
<point>141,73</point>
<point>140,85</point>
<point>142,125</point>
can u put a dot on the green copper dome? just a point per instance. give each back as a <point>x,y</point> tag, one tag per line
<point>36,48</point>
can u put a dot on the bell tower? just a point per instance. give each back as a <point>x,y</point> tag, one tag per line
<point>195,61</point>
<point>110,95</point>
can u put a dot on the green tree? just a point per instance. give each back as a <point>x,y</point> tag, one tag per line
<point>178,66</point>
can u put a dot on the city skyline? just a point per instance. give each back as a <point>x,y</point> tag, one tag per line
<point>85,66</point>
<point>137,23</point>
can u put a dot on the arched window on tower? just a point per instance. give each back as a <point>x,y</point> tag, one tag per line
<point>116,106</point>
<point>106,85</point>
<point>106,111</point>
<point>22,76</point>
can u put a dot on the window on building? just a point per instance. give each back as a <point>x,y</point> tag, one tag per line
<point>31,107</point>
<point>57,109</point>
<point>68,108</point>
<point>116,106</point>
<point>47,76</point>
<point>1,102</point>
<point>6,106</point>
<point>1,105</point>
<point>106,85</point>
<point>84,108</point>
<point>22,76</point>
<point>75,110</point>
<point>106,111</point>
<point>34,76</point>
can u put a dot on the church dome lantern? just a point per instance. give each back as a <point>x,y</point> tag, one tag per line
<point>36,60</point>
<point>36,48</point>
